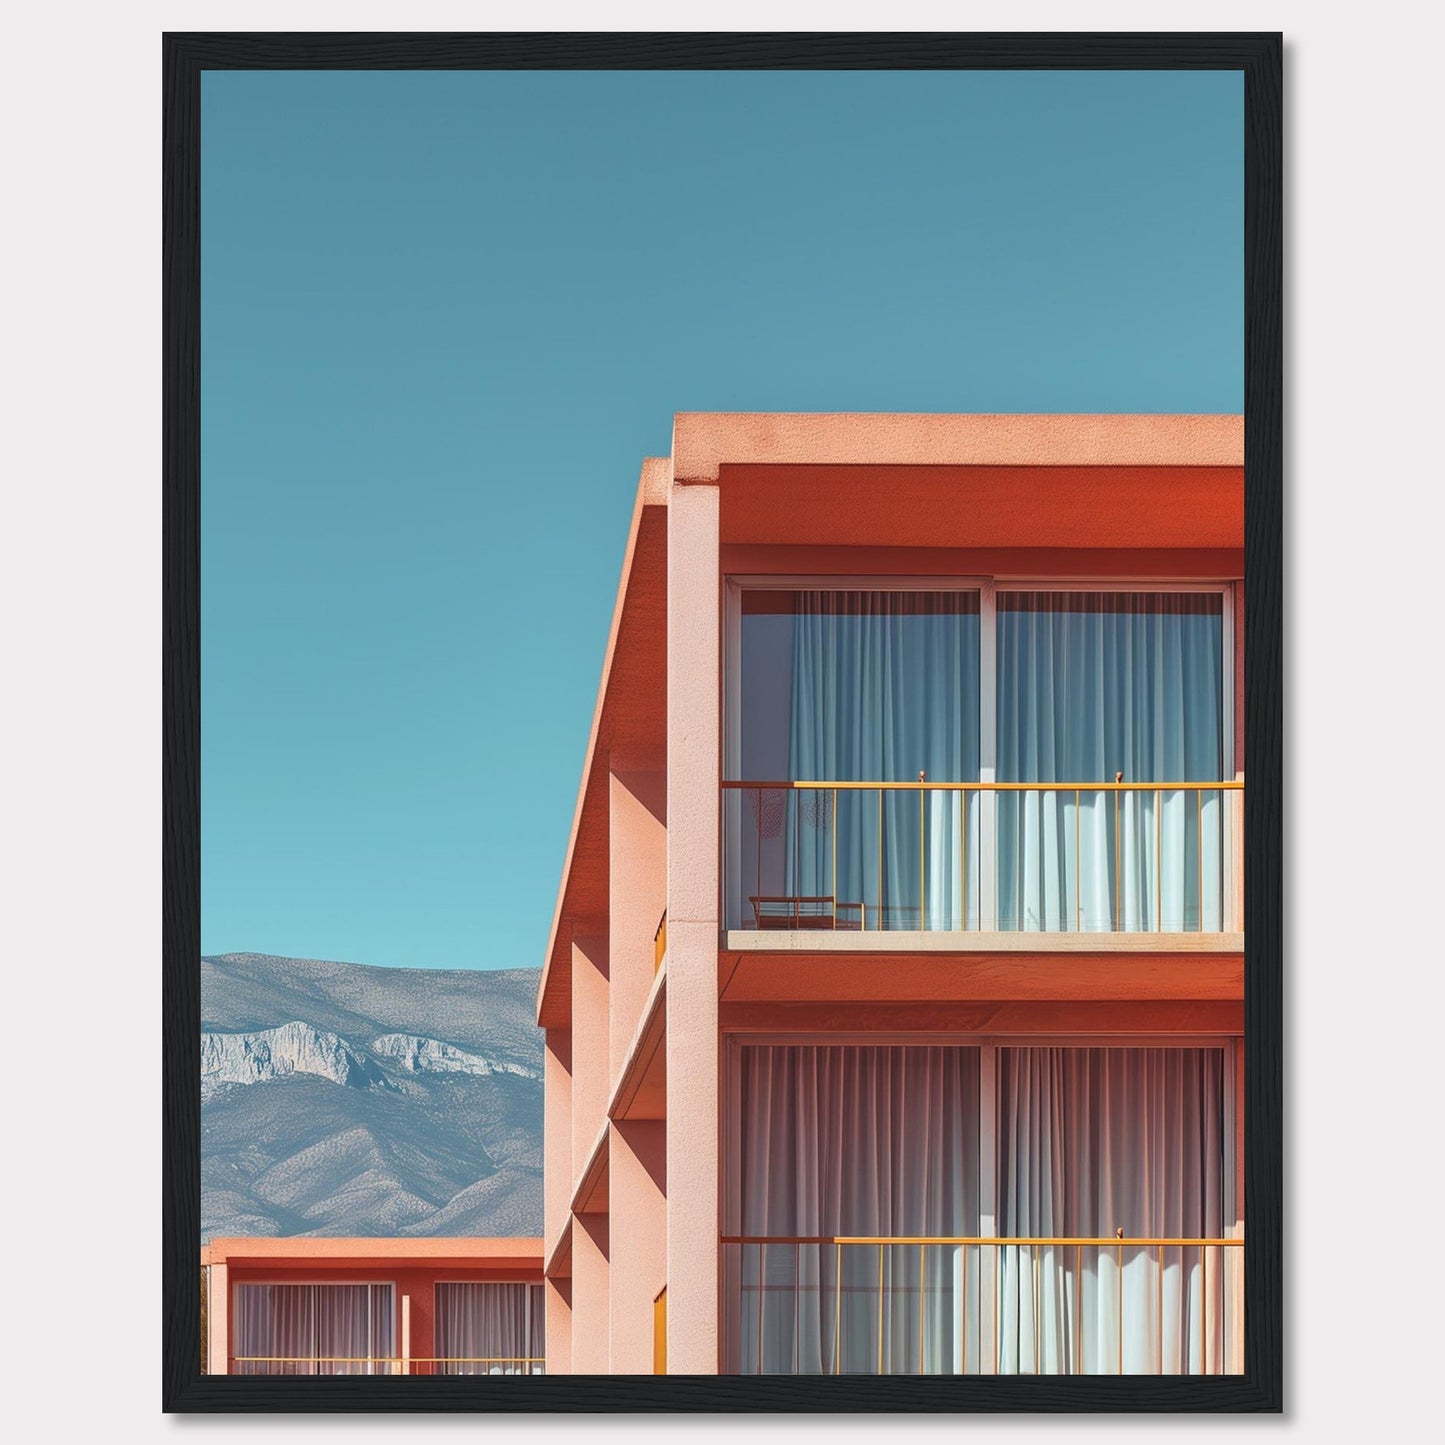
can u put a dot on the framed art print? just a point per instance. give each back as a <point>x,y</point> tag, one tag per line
<point>722,755</point>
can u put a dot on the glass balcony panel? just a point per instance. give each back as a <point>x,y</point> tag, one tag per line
<point>1085,859</point>
<point>1107,705</point>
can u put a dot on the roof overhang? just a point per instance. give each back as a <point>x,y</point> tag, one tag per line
<point>704,442</point>
<point>631,709</point>
<point>1071,483</point>
<point>459,1252</point>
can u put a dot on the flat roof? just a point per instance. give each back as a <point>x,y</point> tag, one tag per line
<point>341,1250</point>
<point>703,442</point>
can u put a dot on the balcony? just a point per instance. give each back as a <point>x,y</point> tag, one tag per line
<point>990,1306</point>
<point>929,856</point>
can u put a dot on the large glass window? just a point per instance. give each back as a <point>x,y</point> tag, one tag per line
<point>863,793</point>
<point>1094,687</point>
<point>487,1328</point>
<point>862,1240</point>
<point>855,687</point>
<point>314,1329</point>
<point>1098,1143</point>
<point>853,1140</point>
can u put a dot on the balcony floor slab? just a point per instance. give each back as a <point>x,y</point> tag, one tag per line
<point>825,940</point>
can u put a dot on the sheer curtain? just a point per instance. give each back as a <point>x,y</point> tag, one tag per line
<point>854,1140</point>
<point>885,685</point>
<point>1093,684</point>
<point>485,1328</point>
<point>1090,1141</point>
<point>314,1329</point>
<point>354,1328</point>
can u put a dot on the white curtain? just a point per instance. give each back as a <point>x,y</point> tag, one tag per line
<point>1090,685</point>
<point>1091,1141</point>
<point>854,1140</point>
<point>314,1329</point>
<point>485,1328</point>
<point>885,685</point>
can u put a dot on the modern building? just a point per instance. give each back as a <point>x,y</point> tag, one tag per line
<point>894,994</point>
<point>373,1306</point>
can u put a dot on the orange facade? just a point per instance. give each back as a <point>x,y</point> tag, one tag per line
<point>666,965</point>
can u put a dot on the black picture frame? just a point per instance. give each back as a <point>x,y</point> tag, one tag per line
<point>1259,56</point>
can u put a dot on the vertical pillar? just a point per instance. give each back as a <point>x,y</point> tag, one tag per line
<point>417,1290</point>
<point>589,1046</point>
<point>218,1321</point>
<point>591,1270</point>
<point>590,1307</point>
<point>557,1177</point>
<point>637,1182</point>
<point>693,757</point>
<point>559,1326</point>
<point>637,888</point>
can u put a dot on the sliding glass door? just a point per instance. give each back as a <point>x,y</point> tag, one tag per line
<point>1106,1143</point>
<point>1095,687</point>
<point>852,1140</point>
<point>487,1328</point>
<point>845,688</point>
<point>943,1209</point>
<point>863,792</point>
<point>314,1329</point>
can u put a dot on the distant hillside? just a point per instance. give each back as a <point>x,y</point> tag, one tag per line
<point>343,1099</point>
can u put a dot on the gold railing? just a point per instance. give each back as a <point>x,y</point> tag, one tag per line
<point>386,1365</point>
<point>988,1305</point>
<point>1120,839</point>
<point>659,942</point>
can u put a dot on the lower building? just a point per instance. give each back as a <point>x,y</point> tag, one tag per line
<point>374,1307</point>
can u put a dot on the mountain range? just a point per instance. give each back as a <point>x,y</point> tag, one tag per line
<point>343,1099</point>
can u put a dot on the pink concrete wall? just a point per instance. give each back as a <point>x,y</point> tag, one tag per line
<point>693,750</point>
<point>637,889</point>
<point>218,1320</point>
<point>638,1184</point>
<point>590,1081</point>
<point>591,1275</point>
<point>559,1326</point>
<point>637,1223</point>
<point>556,1134</point>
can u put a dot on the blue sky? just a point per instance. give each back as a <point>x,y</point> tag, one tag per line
<point>445,316</point>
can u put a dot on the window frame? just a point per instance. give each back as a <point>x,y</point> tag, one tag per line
<point>988,586</point>
<point>308,1281</point>
<point>436,1284</point>
<point>988,1045</point>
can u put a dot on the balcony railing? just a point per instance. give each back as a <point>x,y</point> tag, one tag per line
<point>384,1365</point>
<point>1004,1306</point>
<point>1078,857</point>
